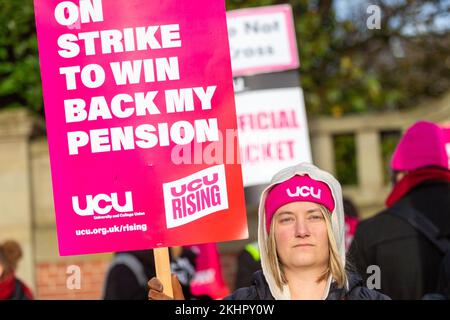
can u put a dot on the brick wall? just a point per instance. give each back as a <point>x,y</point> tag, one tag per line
<point>51,280</point>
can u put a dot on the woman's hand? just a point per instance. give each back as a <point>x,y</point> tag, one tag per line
<point>156,289</point>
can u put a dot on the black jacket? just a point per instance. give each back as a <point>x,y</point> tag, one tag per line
<point>409,263</point>
<point>260,290</point>
<point>247,266</point>
<point>21,292</point>
<point>123,283</point>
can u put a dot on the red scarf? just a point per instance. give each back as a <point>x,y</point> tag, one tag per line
<point>413,179</point>
<point>7,286</point>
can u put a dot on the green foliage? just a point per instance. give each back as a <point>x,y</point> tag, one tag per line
<point>344,152</point>
<point>347,68</point>
<point>343,64</point>
<point>389,141</point>
<point>20,84</point>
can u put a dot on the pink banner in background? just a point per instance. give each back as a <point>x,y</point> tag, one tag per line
<point>208,280</point>
<point>446,129</point>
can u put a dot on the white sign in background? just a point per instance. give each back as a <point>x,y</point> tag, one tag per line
<point>262,40</point>
<point>265,147</point>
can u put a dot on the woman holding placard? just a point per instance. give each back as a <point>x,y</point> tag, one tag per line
<point>301,241</point>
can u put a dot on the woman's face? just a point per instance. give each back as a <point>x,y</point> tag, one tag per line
<point>301,236</point>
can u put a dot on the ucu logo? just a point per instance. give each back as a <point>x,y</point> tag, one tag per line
<point>195,196</point>
<point>304,191</point>
<point>194,185</point>
<point>103,204</point>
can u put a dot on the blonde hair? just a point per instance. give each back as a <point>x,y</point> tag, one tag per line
<point>335,265</point>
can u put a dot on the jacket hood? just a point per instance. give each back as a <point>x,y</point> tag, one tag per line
<point>337,220</point>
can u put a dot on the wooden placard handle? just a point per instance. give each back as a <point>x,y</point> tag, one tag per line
<point>163,272</point>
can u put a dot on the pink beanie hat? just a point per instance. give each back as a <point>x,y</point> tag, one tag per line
<point>422,145</point>
<point>297,188</point>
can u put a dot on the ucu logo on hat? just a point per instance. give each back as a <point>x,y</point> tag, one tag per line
<point>297,188</point>
<point>304,191</point>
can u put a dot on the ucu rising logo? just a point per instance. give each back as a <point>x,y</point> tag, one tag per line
<point>304,191</point>
<point>102,204</point>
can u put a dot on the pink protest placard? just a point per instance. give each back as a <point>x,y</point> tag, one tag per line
<point>138,96</point>
<point>446,129</point>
